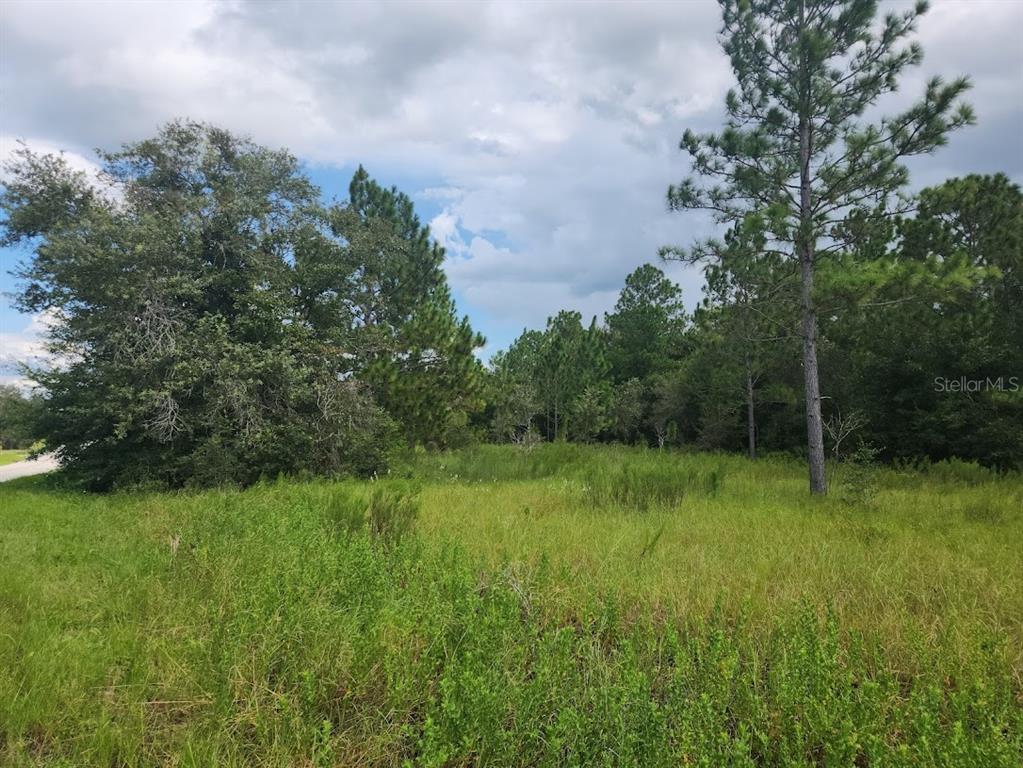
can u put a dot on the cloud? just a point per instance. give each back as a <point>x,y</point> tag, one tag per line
<point>24,345</point>
<point>77,162</point>
<point>543,136</point>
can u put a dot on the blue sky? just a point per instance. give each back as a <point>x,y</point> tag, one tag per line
<point>537,139</point>
<point>498,329</point>
<point>333,181</point>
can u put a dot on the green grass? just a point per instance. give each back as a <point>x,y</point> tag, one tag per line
<point>11,456</point>
<point>569,606</point>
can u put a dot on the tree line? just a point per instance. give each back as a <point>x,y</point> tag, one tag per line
<point>214,319</point>
<point>916,309</point>
<point>827,300</point>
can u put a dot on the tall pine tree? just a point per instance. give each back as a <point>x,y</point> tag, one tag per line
<point>795,151</point>
<point>397,313</point>
<point>647,328</point>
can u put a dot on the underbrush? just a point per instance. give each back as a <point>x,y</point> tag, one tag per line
<point>324,625</point>
<point>386,511</point>
<point>951,471</point>
<point>622,477</point>
<point>647,485</point>
<point>501,463</point>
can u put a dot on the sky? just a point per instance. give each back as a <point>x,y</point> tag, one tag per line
<point>537,139</point>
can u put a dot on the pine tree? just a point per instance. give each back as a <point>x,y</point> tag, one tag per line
<point>795,152</point>
<point>397,314</point>
<point>749,291</point>
<point>647,328</point>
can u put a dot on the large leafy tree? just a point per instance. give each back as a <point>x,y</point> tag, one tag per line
<point>796,153</point>
<point>210,324</point>
<point>170,297</point>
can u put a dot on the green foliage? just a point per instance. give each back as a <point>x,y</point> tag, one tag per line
<point>589,416</point>
<point>583,384</point>
<point>641,486</point>
<point>19,416</point>
<point>551,371</point>
<point>815,65</point>
<point>646,331</point>
<point>918,301</point>
<point>411,347</point>
<point>492,463</point>
<point>386,511</point>
<point>219,325</point>
<point>943,309</point>
<point>393,510</point>
<point>741,628</point>
<point>796,164</point>
<point>628,410</point>
<point>858,481</point>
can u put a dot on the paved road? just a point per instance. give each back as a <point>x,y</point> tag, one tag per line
<point>45,463</point>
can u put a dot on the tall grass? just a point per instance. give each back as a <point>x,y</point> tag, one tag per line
<point>533,619</point>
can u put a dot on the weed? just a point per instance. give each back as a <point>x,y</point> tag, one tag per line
<point>651,544</point>
<point>433,622</point>
<point>858,486</point>
<point>345,511</point>
<point>393,509</point>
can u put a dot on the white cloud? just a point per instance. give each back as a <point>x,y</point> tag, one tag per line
<point>444,228</point>
<point>24,345</point>
<point>547,132</point>
<point>10,144</point>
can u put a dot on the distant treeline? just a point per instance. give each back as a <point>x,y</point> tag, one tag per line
<point>921,346</point>
<point>212,321</point>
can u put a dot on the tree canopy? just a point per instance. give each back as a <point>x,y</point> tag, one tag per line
<point>918,304</point>
<point>216,322</point>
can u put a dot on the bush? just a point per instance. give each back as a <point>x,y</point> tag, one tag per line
<point>858,483</point>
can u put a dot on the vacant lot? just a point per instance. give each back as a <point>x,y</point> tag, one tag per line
<point>567,606</point>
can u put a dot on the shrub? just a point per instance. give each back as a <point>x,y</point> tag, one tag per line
<point>858,484</point>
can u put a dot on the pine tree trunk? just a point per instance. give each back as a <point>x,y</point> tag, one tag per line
<point>806,246</point>
<point>751,423</point>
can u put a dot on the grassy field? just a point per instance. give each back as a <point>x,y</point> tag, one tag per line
<point>9,457</point>
<point>569,606</point>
